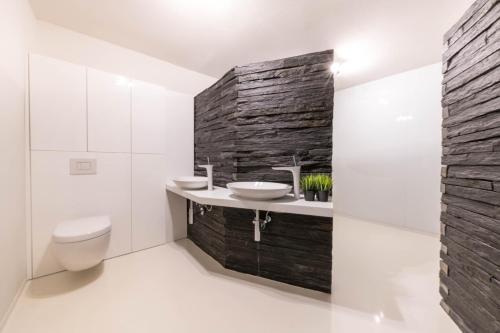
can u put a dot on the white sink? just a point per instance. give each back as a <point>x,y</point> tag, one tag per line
<point>259,190</point>
<point>191,182</point>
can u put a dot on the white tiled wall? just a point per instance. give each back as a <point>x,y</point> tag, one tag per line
<point>140,135</point>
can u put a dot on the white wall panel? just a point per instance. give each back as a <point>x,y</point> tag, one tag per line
<point>162,122</point>
<point>108,112</point>
<point>149,201</point>
<point>152,220</point>
<point>149,118</point>
<point>386,149</point>
<point>58,113</point>
<point>130,187</point>
<point>57,196</point>
<point>180,134</point>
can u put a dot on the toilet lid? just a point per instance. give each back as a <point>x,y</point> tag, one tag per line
<point>81,229</point>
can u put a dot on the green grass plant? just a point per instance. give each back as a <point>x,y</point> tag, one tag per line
<point>308,183</point>
<point>324,182</point>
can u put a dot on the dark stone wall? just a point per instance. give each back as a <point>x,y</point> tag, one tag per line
<point>215,128</point>
<point>470,229</point>
<point>256,117</point>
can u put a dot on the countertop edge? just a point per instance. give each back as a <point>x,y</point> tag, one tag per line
<point>223,197</point>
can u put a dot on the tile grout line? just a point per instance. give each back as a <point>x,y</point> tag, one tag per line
<point>131,172</point>
<point>87,104</point>
<point>30,171</point>
<point>97,152</point>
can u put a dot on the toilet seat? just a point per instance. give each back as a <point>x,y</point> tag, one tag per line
<point>81,229</point>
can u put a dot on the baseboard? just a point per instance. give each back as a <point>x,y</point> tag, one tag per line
<point>7,314</point>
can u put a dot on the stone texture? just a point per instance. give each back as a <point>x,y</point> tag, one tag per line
<point>492,158</point>
<point>255,117</point>
<point>480,184</point>
<point>489,121</point>
<point>472,147</point>
<point>478,219</point>
<point>491,173</point>
<point>474,106</point>
<point>470,279</point>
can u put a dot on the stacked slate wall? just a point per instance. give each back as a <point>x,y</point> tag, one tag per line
<point>256,117</point>
<point>470,229</point>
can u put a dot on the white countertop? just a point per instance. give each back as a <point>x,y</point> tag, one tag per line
<point>223,197</point>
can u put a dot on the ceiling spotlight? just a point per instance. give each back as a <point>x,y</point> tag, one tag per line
<point>335,68</point>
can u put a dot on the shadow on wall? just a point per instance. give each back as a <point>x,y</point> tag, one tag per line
<point>177,214</point>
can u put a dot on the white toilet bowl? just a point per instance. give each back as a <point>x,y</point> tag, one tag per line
<point>82,243</point>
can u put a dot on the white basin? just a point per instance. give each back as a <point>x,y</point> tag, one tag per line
<point>259,190</point>
<point>191,182</point>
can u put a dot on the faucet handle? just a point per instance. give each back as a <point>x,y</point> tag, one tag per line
<point>295,170</point>
<point>210,171</point>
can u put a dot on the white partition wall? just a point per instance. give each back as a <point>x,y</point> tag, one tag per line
<point>387,150</point>
<point>126,126</point>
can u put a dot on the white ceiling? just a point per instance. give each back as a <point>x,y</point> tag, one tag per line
<point>373,38</point>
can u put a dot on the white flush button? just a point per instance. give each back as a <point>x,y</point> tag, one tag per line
<point>82,166</point>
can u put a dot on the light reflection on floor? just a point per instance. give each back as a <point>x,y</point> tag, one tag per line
<point>385,280</point>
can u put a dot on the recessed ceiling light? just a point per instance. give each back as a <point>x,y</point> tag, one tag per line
<point>355,57</point>
<point>335,68</point>
<point>215,7</point>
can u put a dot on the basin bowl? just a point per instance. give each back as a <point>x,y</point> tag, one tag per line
<point>191,182</point>
<point>259,190</point>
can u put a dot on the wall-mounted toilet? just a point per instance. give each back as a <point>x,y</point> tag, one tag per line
<point>82,243</point>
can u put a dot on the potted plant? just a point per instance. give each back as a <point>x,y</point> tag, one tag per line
<point>308,185</point>
<point>323,185</point>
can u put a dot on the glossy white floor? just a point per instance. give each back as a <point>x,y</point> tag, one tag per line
<point>385,280</point>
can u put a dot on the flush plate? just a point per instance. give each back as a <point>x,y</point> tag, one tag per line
<point>82,166</point>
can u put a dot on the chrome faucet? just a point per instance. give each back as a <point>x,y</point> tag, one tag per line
<point>295,170</point>
<point>210,173</point>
